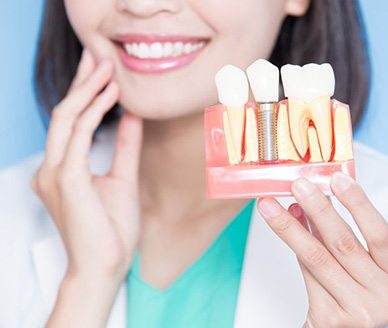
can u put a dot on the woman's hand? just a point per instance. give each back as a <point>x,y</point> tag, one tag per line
<point>97,216</point>
<point>347,285</point>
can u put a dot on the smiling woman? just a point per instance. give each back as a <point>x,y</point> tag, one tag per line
<point>117,229</point>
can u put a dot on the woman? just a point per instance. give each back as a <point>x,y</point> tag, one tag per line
<point>191,261</point>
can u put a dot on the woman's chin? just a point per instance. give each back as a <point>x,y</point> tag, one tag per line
<point>157,110</point>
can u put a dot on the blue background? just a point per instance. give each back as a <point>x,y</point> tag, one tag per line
<point>22,133</point>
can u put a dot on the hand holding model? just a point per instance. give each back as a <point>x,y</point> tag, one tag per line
<point>347,283</point>
<point>97,216</point>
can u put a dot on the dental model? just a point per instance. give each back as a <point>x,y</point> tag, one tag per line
<point>233,91</point>
<point>256,149</point>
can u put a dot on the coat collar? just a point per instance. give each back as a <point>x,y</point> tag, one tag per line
<point>271,289</point>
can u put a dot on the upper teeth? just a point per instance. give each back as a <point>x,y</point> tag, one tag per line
<point>264,79</point>
<point>161,50</point>
<point>308,82</point>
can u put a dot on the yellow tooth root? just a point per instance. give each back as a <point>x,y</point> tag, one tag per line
<point>251,137</point>
<point>315,151</point>
<point>342,135</point>
<point>233,158</point>
<point>236,116</point>
<point>286,150</point>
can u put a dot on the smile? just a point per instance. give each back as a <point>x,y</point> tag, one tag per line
<point>158,54</point>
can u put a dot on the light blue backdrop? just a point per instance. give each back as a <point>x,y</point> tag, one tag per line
<point>22,132</point>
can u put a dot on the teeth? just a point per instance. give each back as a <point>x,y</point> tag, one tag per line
<point>309,89</point>
<point>264,80</point>
<point>342,135</point>
<point>161,50</point>
<point>233,92</point>
<point>286,150</point>
<point>251,137</point>
<point>315,152</point>
<point>156,50</point>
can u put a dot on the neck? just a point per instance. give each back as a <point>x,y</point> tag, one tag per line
<point>172,167</point>
<point>172,171</point>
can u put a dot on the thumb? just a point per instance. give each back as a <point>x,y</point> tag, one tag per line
<point>125,163</point>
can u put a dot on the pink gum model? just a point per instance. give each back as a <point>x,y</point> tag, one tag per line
<point>258,180</point>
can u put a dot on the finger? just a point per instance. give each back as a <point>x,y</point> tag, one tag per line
<point>336,234</point>
<point>125,163</point>
<point>77,155</point>
<point>309,250</point>
<point>65,114</point>
<point>317,294</point>
<point>370,222</point>
<point>85,68</point>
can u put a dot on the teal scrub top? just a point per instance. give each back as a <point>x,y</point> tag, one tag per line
<point>205,295</point>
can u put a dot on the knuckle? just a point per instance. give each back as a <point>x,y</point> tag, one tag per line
<point>358,199</point>
<point>41,181</point>
<point>335,321</point>
<point>380,238</point>
<point>317,256</point>
<point>322,208</point>
<point>283,225</point>
<point>83,126</point>
<point>347,243</point>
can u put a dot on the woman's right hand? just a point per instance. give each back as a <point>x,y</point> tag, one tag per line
<point>98,217</point>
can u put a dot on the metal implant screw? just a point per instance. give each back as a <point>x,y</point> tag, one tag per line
<point>267,125</point>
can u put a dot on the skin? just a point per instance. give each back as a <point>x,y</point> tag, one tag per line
<point>173,223</point>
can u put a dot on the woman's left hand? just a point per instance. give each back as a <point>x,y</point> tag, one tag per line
<point>347,285</point>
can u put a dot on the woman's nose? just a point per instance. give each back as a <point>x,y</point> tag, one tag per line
<point>147,8</point>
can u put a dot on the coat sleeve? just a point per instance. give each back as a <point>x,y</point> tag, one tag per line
<point>20,210</point>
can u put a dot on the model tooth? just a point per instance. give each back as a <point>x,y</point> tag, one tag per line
<point>315,151</point>
<point>251,137</point>
<point>309,89</point>
<point>264,80</point>
<point>286,150</point>
<point>233,92</point>
<point>342,135</point>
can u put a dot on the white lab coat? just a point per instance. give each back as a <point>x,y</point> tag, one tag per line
<point>33,259</point>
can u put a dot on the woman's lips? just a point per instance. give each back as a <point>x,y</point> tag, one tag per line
<point>153,54</point>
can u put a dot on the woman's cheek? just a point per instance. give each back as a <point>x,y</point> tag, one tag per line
<point>86,27</point>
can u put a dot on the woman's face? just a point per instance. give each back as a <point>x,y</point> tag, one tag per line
<point>181,81</point>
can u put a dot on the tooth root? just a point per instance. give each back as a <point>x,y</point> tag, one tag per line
<point>233,158</point>
<point>236,116</point>
<point>251,137</point>
<point>299,122</point>
<point>321,116</point>
<point>315,152</point>
<point>342,135</point>
<point>286,150</point>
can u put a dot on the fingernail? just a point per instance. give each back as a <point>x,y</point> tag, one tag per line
<point>296,211</point>
<point>303,187</point>
<point>269,207</point>
<point>341,181</point>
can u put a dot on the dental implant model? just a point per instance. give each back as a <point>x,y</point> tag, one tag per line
<point>258,148</point>
<point>264,80</point>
